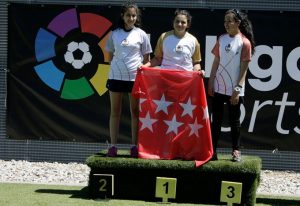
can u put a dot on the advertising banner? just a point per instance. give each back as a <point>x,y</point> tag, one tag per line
<point>58,69</point>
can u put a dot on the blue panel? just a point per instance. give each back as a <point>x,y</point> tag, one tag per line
<point>50,75</point>
<point>44,45</point>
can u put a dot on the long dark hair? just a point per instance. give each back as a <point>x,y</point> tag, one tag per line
<point>124,8</point>
<point>245,25</point>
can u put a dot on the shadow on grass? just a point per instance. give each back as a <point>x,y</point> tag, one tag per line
<point>82,194</point>
<point>270,201</point>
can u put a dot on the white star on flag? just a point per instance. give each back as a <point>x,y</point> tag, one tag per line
<point>188,108</point>
<point>147,122</point>
<point>194,128</point>
<point>173,125</point>
<point>141,102</point>
<point>162,104</point>
<point>205,113</point>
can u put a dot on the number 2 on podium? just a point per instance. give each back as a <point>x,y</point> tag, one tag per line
<point>102,183</point>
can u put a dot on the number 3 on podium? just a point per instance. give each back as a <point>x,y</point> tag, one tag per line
<point>231,192</point>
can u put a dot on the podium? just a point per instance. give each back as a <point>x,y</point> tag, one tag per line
<point>136,179</point>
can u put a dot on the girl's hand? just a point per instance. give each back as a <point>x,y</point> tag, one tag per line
<point>234,99</point>
<point>201,73</point>
<point>210,89</point>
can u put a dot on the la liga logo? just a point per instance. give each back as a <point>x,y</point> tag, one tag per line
<point>71,56</point>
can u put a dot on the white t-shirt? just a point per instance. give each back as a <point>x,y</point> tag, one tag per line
<point>128,49</point>
<point>178,53</point>
<point>231,51</point>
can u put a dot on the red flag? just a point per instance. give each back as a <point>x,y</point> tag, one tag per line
<point>173,120</point>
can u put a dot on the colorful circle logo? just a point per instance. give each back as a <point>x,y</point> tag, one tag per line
<point>71,54</point>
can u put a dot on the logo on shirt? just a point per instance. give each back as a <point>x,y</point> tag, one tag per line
<point>125,42</point>
<point>228,47</point>
<point>179,48</point>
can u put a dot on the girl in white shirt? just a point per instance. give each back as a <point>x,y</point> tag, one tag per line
<point>129,47</point>
<point>178,49</point>
<point>233,52</point>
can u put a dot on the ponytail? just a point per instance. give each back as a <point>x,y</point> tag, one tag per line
<point>245,26</point>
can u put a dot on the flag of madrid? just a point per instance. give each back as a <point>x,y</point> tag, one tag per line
<point>173,119</point>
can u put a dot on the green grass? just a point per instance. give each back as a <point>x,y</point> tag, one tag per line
<point>53,195</point>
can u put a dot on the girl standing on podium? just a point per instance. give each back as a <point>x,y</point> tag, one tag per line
<point>233,52</point>
<point>129,47</point>
<point>178,49</point>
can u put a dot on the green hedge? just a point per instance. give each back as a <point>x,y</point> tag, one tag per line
<point>136,178</point>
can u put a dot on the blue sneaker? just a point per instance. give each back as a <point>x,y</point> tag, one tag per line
<point>112,151</point>
<point>134,152</point>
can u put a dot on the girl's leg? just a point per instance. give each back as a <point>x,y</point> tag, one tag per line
<point>115,115</point>
<point>235,125</point>
<point>217,117</point>
<point>134,111</point>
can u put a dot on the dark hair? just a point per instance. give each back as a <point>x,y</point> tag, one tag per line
<point>185,13</point>
<point>245,25</point>
<point>124,8</point>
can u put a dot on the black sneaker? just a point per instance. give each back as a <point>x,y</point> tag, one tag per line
<point>214,157</point>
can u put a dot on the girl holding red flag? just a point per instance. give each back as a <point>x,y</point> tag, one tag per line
<point>178,49</point>
<point>233,52</point>
<point>129,47</point>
